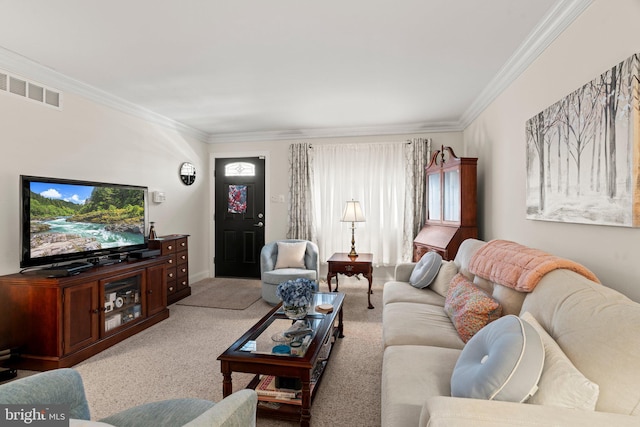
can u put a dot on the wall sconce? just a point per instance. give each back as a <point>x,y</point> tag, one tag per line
<point>158,196</point>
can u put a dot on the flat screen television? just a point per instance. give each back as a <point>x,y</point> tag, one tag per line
<point>67,220</point>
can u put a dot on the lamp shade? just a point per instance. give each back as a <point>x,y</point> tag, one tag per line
<point>352,212</point>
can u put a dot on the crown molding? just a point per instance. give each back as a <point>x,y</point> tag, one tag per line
<point>561,15</point>
<point>335,132</point>
<point>554,23</point>
<point>18,64</point>
<point>32,70</point>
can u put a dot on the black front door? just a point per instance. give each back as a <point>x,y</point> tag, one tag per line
<point>239,216</point>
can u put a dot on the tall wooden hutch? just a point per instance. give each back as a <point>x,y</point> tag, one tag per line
<point>451,204</point>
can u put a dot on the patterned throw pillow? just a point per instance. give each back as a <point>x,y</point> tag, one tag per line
<point>469,308</point>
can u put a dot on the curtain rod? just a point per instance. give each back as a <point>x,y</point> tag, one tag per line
<point>408,141</point>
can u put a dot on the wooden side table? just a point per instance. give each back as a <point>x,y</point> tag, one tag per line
<point>342,263</point>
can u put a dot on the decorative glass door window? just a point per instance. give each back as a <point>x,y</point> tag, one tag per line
<point>240,169</point>
<point>237,200</point>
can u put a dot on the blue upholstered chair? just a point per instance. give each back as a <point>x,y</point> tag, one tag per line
<point>64,386</point>
<point>272,277</point>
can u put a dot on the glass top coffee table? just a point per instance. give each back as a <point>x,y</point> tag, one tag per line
<point>297,360</point>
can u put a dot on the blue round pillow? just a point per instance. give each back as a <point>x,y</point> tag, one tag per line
<point>503,361</point>
<point>426,270</point>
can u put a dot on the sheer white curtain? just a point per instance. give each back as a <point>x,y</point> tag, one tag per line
<point>373,174</point>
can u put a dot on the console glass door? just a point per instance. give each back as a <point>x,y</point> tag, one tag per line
<point>122,301</point>
<point>434,197</point>
<point>452,195</point>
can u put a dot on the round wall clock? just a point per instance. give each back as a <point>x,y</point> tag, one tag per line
<point>187,173</point>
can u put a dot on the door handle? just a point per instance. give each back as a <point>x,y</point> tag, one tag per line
<point>259,224</point>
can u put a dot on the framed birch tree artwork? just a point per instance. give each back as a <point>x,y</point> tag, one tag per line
<point>583,152</point>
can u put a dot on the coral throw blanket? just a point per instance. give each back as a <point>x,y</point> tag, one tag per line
<point>519,267</point>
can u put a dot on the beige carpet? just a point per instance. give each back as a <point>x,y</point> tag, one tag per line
<point>177,358</point>
<point>226,293</point>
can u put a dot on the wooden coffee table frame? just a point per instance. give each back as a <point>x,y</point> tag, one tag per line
<point>234,360</point>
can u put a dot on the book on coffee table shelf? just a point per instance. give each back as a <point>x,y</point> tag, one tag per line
<point>268,392</point>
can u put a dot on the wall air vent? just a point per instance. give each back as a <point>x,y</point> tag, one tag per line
<point>24,88</point>
<point>36,92</point>
<point>17,86</point>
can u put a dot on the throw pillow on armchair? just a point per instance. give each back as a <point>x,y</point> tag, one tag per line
<point>291,255</point>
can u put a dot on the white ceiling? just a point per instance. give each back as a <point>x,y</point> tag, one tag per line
<point>231,70</point>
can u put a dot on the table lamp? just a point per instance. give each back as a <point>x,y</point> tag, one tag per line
<point>353,213</point>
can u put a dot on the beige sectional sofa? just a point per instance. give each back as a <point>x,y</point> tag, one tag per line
<point>597,328</point>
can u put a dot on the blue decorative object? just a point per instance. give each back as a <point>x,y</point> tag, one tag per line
<point>281,349</point>
<point>426,270</point>
<point>296,296</point>
<point>503,361</point>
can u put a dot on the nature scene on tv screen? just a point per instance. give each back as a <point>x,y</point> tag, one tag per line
<point>77,218</point>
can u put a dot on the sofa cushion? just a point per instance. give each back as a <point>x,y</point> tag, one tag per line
<point>291,255</point>
<point>467,249</point>
<point>561,384</point>
<point>404,292</point>
<point>593,326</point>
<point>503,361</point>
<point>469,308</point>
<point>403,271</point>
<point>275,277</point>
<point>483,284</point>
<point>406,323</point>
<point>410,375</point>
<point>440,284</point>
<point>510,299</point>
<point>426,270</point>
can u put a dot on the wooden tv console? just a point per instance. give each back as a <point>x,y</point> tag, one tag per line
<point>58,322</point>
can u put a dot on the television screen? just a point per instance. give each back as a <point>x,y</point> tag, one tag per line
<point>66,220</point>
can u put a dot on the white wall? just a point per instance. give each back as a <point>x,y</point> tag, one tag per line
<point>277,165</point>
<point>88,141</point>
<point>605,34</point>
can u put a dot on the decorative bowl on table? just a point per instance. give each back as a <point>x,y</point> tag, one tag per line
<point>281,338</point>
